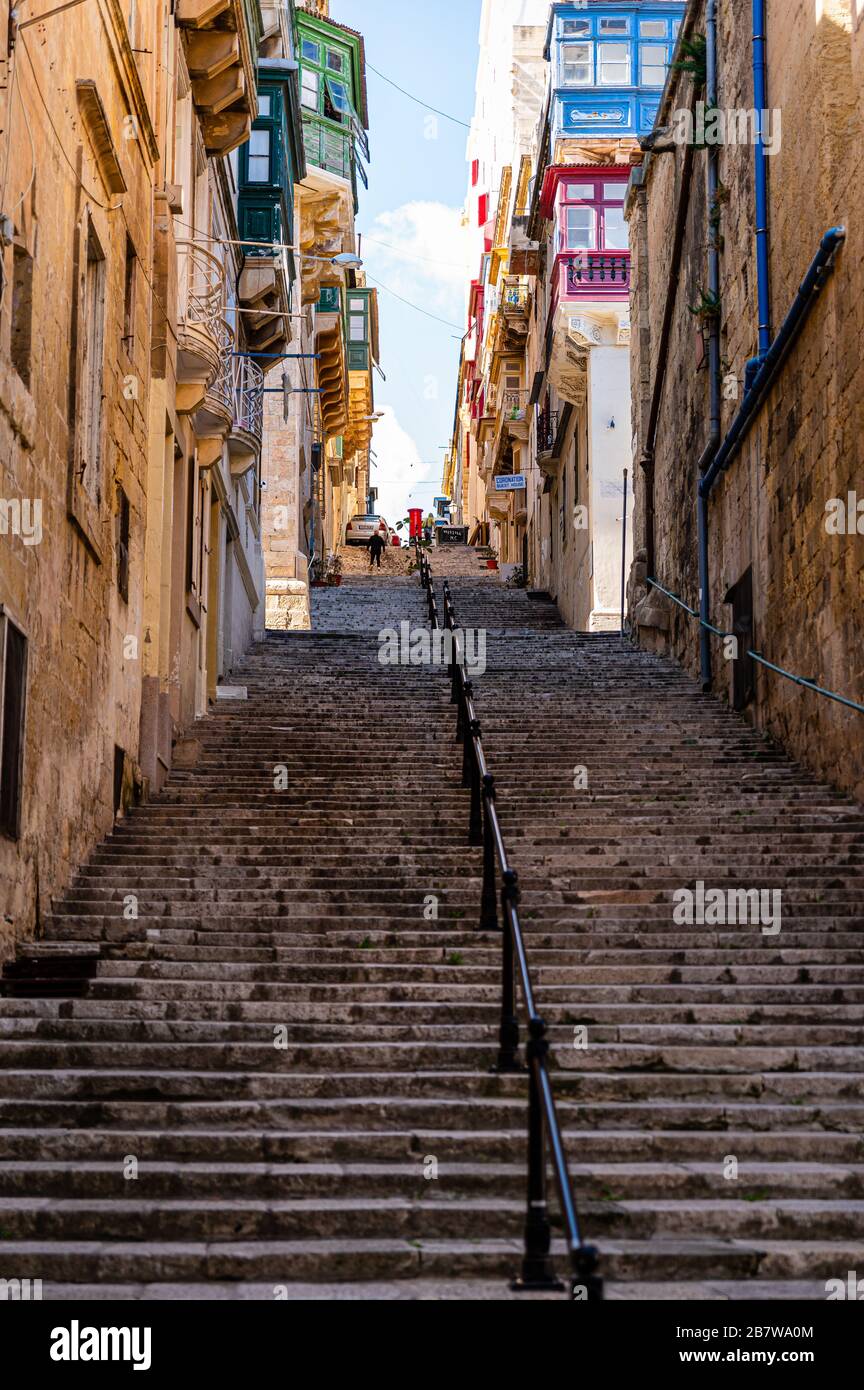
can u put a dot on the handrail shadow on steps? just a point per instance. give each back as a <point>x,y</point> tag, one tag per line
<point>537,1273</point>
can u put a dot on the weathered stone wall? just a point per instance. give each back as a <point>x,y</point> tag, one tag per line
<point>84,654</point>
<point>769,509</point>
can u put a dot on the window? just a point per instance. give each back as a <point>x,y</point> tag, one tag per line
<point>614,230</point>
<point>613,64</point>
<point>336,104</point>
<point>259,156</point>
<point>579,229</point>
<point>123,544</point>
<point>577,191</point>
<point>129,288</point>
<point>613,192</point>
<point>335,62</point>
<point>22,312</point>
<point>357,327</point>
<point>264,104</point>
<point>13,692</point>
<point>92,368</point>
<point>310,51</point>
<point>577,65</point>
<point>613,27</point>
<point>576,28</point>
<point>652,28</point>
<point>652,64</point>
<point>309,91</point>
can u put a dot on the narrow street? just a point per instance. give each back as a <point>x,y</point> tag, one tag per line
<point>277,1074</point>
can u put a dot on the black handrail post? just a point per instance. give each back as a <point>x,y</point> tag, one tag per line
<point>586,1284</point>
<point>462,698</point>
<point>488,900</point>
<point>475,828</point>
<point>538,1272</point>
<point>508,1033</point>
<point>465,735</point>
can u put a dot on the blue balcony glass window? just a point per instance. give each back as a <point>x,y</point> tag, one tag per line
<point>608,68</point>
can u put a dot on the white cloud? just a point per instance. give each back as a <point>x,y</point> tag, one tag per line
<point>398,468</point>
<point>423,252</point>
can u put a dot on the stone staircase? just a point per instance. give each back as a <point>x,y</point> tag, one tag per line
<point>273,1080</point>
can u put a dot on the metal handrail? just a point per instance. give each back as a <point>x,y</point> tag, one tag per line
<point>756,656</point>
<point>537,1272</point>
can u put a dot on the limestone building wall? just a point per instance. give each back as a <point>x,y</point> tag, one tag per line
<point>768,511</point>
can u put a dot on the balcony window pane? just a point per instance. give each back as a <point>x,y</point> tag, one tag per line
<point>613,192</point>
<point>614,65</point>
<point>614,26</point>
<point>357,328</point>
<point>579,232</point>
<point>652,60</point>
<point>264,100</point>
<point>615,230</point>
<point>334,60</point>
<point>310,51</point>
<point>577,64</point>
<point>259,156</point>
<point>576,28</point>
<point>309,93</point>
<point>338,93</point>
<point>652,28</point>
<point>578,192</point>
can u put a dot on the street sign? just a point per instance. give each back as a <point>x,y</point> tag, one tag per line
<point>451,535</point>
<point>510,482</point>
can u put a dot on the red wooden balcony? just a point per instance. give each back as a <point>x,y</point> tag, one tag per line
<point>594,275</point>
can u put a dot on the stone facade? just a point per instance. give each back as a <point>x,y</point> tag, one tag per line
<point>132,379</point>
<point>80,155</point>
<point>767,514</point>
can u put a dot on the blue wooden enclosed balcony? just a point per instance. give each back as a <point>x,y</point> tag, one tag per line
<point>609,65</point>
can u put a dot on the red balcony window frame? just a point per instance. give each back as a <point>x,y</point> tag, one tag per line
<point>598,202</point>
<point>608,282</point>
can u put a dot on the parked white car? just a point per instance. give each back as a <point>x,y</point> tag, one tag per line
<point>362,528</point>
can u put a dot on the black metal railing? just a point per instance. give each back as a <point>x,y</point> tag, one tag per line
<point>501,882</point>
<point>547,431</point>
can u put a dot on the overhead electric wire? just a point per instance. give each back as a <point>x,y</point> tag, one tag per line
<point>411,97</point>
<point>411,305</point>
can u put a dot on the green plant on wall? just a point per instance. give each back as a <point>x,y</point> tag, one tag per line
<point>707,308</point>
<point>695,59</point>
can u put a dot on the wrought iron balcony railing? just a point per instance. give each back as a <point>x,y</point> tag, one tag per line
<point>221,390</point>
<point>512,404</point>
<point>547,431</point>
<point>248,386</point>
<point>514,297</point>
<point>200,288</point>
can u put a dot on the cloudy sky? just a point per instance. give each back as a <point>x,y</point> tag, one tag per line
<point>414,243</point>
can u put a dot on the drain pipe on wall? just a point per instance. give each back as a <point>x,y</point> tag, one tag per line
<point>762,239</point>
<point>708,455</point>
<point>766,376</point>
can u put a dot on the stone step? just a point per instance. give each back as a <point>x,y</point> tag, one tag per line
<point>271,1261</point>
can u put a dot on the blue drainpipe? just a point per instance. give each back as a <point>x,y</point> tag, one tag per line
<point>760,101</point>
<point>771,367</point>
<point>712,184</point>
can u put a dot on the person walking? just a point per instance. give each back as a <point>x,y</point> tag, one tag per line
<point>376,550</point>
<point>429,527</point>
